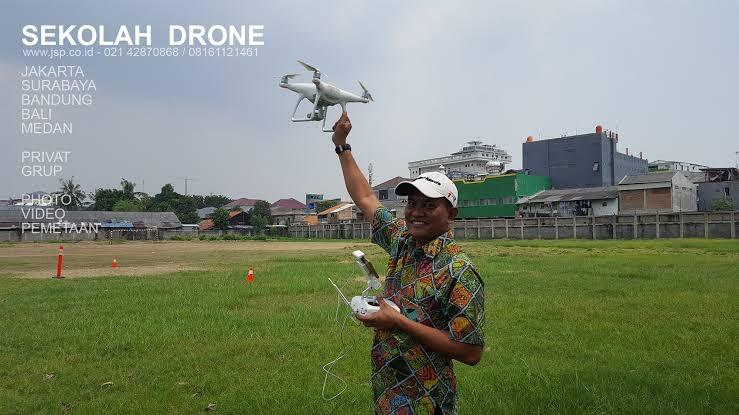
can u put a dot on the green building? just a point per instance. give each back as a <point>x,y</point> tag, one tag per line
<point>496,196</point>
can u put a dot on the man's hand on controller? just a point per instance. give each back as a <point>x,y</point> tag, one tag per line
<point>342,127</point>
<point>385,318</point>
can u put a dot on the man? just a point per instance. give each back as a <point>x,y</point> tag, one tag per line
<point>435,285</point>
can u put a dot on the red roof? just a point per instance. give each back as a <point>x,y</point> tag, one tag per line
<point>288,204</point>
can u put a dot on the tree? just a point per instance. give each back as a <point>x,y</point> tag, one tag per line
<point>220,218</point>
<point>325,204</point>
<point>723,204</point>
<point>126,205</point>
<point>258,221</point>
<point>262,208</point>
<point>70,194</point>
<point>127,188</point>
<point>216,200</point>
<point>106,198</point>
<point>170,201</point>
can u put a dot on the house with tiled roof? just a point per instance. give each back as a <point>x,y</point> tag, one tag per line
<point>244,204</point>
<point>235,219</point>
<point>287,211</point>
<point>344,212</point>
<point>385,193</point>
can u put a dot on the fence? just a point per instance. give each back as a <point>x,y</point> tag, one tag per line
<point>642,226</point>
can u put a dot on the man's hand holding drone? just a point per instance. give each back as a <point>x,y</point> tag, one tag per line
<point>386,318</point>
<point>341,128</point>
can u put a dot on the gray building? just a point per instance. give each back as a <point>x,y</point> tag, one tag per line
<point>385,193</point>
<point>719,184</point>
<point>580,161</point>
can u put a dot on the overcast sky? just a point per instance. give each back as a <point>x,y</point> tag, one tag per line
<point>661,73</point>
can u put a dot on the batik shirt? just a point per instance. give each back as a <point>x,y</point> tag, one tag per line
<point>436,285</point>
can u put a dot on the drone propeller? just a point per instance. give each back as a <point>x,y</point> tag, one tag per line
<point>366,92</point>
<point>308,67</point>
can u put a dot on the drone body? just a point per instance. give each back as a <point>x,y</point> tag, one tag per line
<point>322,95</point>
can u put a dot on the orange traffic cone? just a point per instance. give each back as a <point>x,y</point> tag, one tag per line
<point>250,275</point>
<point>115,263</point>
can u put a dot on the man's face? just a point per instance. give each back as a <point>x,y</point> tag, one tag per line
<point>427,218</point>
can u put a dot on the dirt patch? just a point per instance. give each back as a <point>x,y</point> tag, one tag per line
<point>110,272</point>
<point>91,259</point>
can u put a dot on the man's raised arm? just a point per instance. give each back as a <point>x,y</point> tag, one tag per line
<point>359,190</point>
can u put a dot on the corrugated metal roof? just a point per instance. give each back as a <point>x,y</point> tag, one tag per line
<point>649,178</point>
<point>340,206</point>
<point>240,202</point>
<point>570,195</point>
<point>205,212</point>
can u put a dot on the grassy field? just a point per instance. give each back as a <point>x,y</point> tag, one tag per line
<point>573,327</point>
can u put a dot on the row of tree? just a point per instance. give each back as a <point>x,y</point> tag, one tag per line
<point>126,199</point>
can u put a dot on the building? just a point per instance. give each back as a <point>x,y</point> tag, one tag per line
<point>385,193</point>
<point>667,165</point>
<point>236,219</point>
<point>589,201</point>
<point>657,192</point>
<point>719,184</point>
<point>344,212</point>
<point>496,196</point>
<point>205,212</point>
<point>244,204</point>
<point>579,161</point>
<point>311,201</point>
<point>472,160</point>
<point>287,211</point>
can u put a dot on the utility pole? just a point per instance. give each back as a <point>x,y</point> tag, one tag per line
<point>186,179</point>
<point>370,171</point>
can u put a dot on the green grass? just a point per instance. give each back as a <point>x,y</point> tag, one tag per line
<point>572,327</point>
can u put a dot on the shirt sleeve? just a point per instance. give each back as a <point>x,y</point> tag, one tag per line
<point>465,308</point>
<point>385,228</point>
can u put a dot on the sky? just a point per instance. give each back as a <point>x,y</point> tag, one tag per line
<point>660,73</point>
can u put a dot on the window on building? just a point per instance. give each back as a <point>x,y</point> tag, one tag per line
<point>604,204</point>
<point>726,191</point>
<point>596,166</point>
<point>383,194</point>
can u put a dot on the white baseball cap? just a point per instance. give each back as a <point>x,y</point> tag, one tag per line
<point>433,184</point>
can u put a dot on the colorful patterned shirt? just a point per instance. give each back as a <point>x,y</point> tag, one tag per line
<point>436,285</point>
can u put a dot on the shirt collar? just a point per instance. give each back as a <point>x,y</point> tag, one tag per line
<point>432,248</point>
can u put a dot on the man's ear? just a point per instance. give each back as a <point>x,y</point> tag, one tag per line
<point>453,212</point>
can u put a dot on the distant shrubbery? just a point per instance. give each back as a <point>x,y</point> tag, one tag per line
<point>226,237</point>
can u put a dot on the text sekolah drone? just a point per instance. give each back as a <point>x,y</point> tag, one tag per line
<point>321,94</point>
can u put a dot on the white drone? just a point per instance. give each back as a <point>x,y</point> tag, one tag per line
<point>321,94</point>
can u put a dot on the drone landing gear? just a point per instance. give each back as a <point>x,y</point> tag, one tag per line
<point>323,126</point>
<point>317,114</point>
